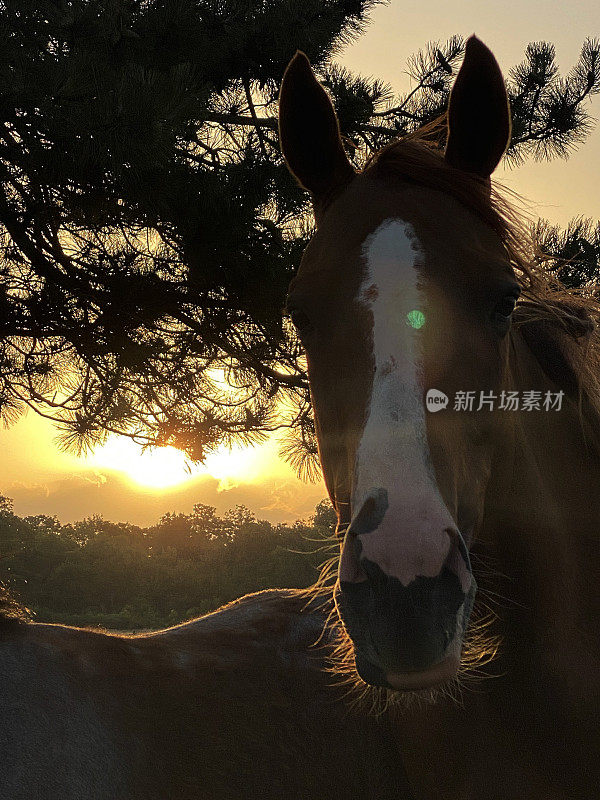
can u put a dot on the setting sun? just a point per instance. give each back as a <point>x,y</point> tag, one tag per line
<point>158,468</point>
<point>166,467</point>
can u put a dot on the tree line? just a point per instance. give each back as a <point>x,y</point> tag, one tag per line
<point>121,576</point>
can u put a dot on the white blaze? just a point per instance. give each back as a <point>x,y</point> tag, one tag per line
<point>393,453</point>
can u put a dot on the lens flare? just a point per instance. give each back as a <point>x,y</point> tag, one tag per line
<point>415,318</point>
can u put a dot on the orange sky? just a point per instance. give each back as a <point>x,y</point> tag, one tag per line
<point>41,479</point>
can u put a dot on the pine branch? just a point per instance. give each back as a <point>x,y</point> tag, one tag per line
<point>549,118</point>
<point>573,253</point>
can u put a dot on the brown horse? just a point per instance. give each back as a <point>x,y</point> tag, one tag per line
<point>237,704</point>
<point>455,423</point>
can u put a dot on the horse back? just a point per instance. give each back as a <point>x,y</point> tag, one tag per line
<point>239,703</point>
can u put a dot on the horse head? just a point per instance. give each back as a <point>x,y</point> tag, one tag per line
<point>403,299</point>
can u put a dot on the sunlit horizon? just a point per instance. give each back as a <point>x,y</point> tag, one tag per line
<point>167,467</point>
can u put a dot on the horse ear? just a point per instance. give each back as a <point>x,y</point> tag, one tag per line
<point>478,113</point>
<point>309,131</point>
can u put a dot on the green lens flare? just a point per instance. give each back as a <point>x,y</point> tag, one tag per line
<point>415,318</point>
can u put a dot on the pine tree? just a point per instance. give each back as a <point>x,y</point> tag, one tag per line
<point>149,227</point>
<point>573,254</point>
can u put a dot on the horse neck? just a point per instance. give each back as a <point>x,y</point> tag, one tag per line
<point>533,722</point>
<point>544,526</point>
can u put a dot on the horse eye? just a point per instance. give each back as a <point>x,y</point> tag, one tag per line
<point>503,311</point>
<point>506,306</point>
<point>300,320</point>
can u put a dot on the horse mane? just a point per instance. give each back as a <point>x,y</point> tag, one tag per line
<point>553,318</point>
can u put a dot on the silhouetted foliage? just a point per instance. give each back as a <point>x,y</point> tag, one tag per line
<point>574,252</point>
<point>118,575</point>
<point>148,226</point>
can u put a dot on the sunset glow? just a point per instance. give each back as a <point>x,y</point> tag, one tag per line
<point>159,468</point>
<point>165,467</point>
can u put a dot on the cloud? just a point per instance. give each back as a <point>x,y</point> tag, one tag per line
<point>83,494</point>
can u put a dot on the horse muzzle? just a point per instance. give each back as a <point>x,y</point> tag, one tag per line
<point>405,637</point>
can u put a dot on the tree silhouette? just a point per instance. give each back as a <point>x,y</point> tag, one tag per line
<point>96,572</point>
<point>148,226</point>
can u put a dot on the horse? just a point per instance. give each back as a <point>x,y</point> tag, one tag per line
<point>456,396</point>
<point>236,704</point>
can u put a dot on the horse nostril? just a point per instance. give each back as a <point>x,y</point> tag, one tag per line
<point>457,539</point>
<point>378,580</point>
<point>371,513</point>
